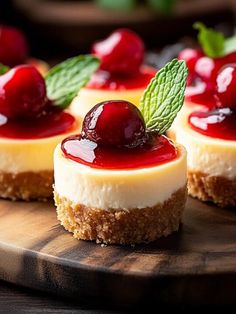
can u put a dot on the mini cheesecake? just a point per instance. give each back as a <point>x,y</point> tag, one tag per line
<point>122,206</point>
<point>26,159</point>
<point>211,162</point>
<point>206,127</point>
<point>121,75</point>
<point>203,70</point>
<point>15,50</point>
<point>32,124</point>
<point>121,180</point>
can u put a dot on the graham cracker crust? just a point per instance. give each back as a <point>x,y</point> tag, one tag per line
<point>217,189</point>
<point>118,226</point>
<point>26,186</point>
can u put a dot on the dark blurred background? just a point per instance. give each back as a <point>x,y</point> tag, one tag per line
<point>59,28</point>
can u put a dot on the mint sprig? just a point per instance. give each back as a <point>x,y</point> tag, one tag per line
<point>65,79</point>
<point>211,41</point>
<point>164,96</point>
<point>3,69</point>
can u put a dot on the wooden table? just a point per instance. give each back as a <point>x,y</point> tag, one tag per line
<point>195,266</point>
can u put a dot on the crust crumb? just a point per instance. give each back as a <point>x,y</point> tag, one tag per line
<point>217,189</point>
<point>26,186</point>
<point>118,226</point>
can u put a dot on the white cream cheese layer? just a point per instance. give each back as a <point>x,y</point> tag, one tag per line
<point>27,155</point>
<point>88,98</point>
<point>212,156</point>
<point>118,189</point>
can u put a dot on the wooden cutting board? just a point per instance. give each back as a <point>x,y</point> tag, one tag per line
<point>195,265</point>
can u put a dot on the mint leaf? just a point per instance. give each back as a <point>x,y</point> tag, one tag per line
<point>65,79</point>
<point>211,41</point>
<point>3,69</point>
<point>125,5</point>
<point>163,6</point>
<point>230,45</point>
<point>164,96</point>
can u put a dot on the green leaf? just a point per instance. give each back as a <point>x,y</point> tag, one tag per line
<point>3,69</point>
<point>162,6</point>
<point>66,79</point>
<point>211,41</point>
<point>164,96</point>
<point>230,45</point>
<point>125,5</point>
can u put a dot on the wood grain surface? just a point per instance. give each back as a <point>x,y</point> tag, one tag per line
<point>195,265</point>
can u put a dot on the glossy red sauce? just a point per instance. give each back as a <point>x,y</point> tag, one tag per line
<point>50,124</point>
<point>160,150</point>
<point>106,81</point>
<point>219,123</point>
<point>201,94</point>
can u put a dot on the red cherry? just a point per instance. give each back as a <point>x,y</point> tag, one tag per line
<point>115,123</point>
<point>226,86</point>
<point>22,92</point>
<point>207,68</point>
<point>13,46</point>
<point>190,56</point>
<point>121,53</point>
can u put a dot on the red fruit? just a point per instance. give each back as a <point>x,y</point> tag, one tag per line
<point>13,46</point>
<point>121,53</point>
<point>22,92</point>
<point>206,68</point>
<point>115,123</point>
<point>226,86</point>
<point>190,56</point>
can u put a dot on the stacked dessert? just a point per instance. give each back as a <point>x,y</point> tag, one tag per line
<point>33,122</point>
<point>121,74</point>
<point>121,180</point>
<point>206,127</point>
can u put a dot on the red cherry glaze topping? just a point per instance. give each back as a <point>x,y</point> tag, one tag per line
<point>160,150</point>
<point>22,92</point>
<point>114,123</point>
<point>121,53</point>
<point>219,123</point>
<point>202,79</point>
<point>190,56</point>
<point>13,46</point>
<point>107,81</point>
<point>201,93</point>
<point>52,123</point>
<point>226,87</point>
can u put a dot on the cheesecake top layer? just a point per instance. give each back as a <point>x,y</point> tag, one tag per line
<point>103,80</point>
<point>210,155</point>
<point>118,189</point>
<point>53,124</point>
<point>158,151</point>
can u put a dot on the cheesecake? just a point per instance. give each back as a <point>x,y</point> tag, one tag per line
<point>121,181</point>
<point>32,124</point>
<point>204,64</point>
<point>121,75</point>
<point>122,206</point>
<point>14,50</point>
<point>210,139</point>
